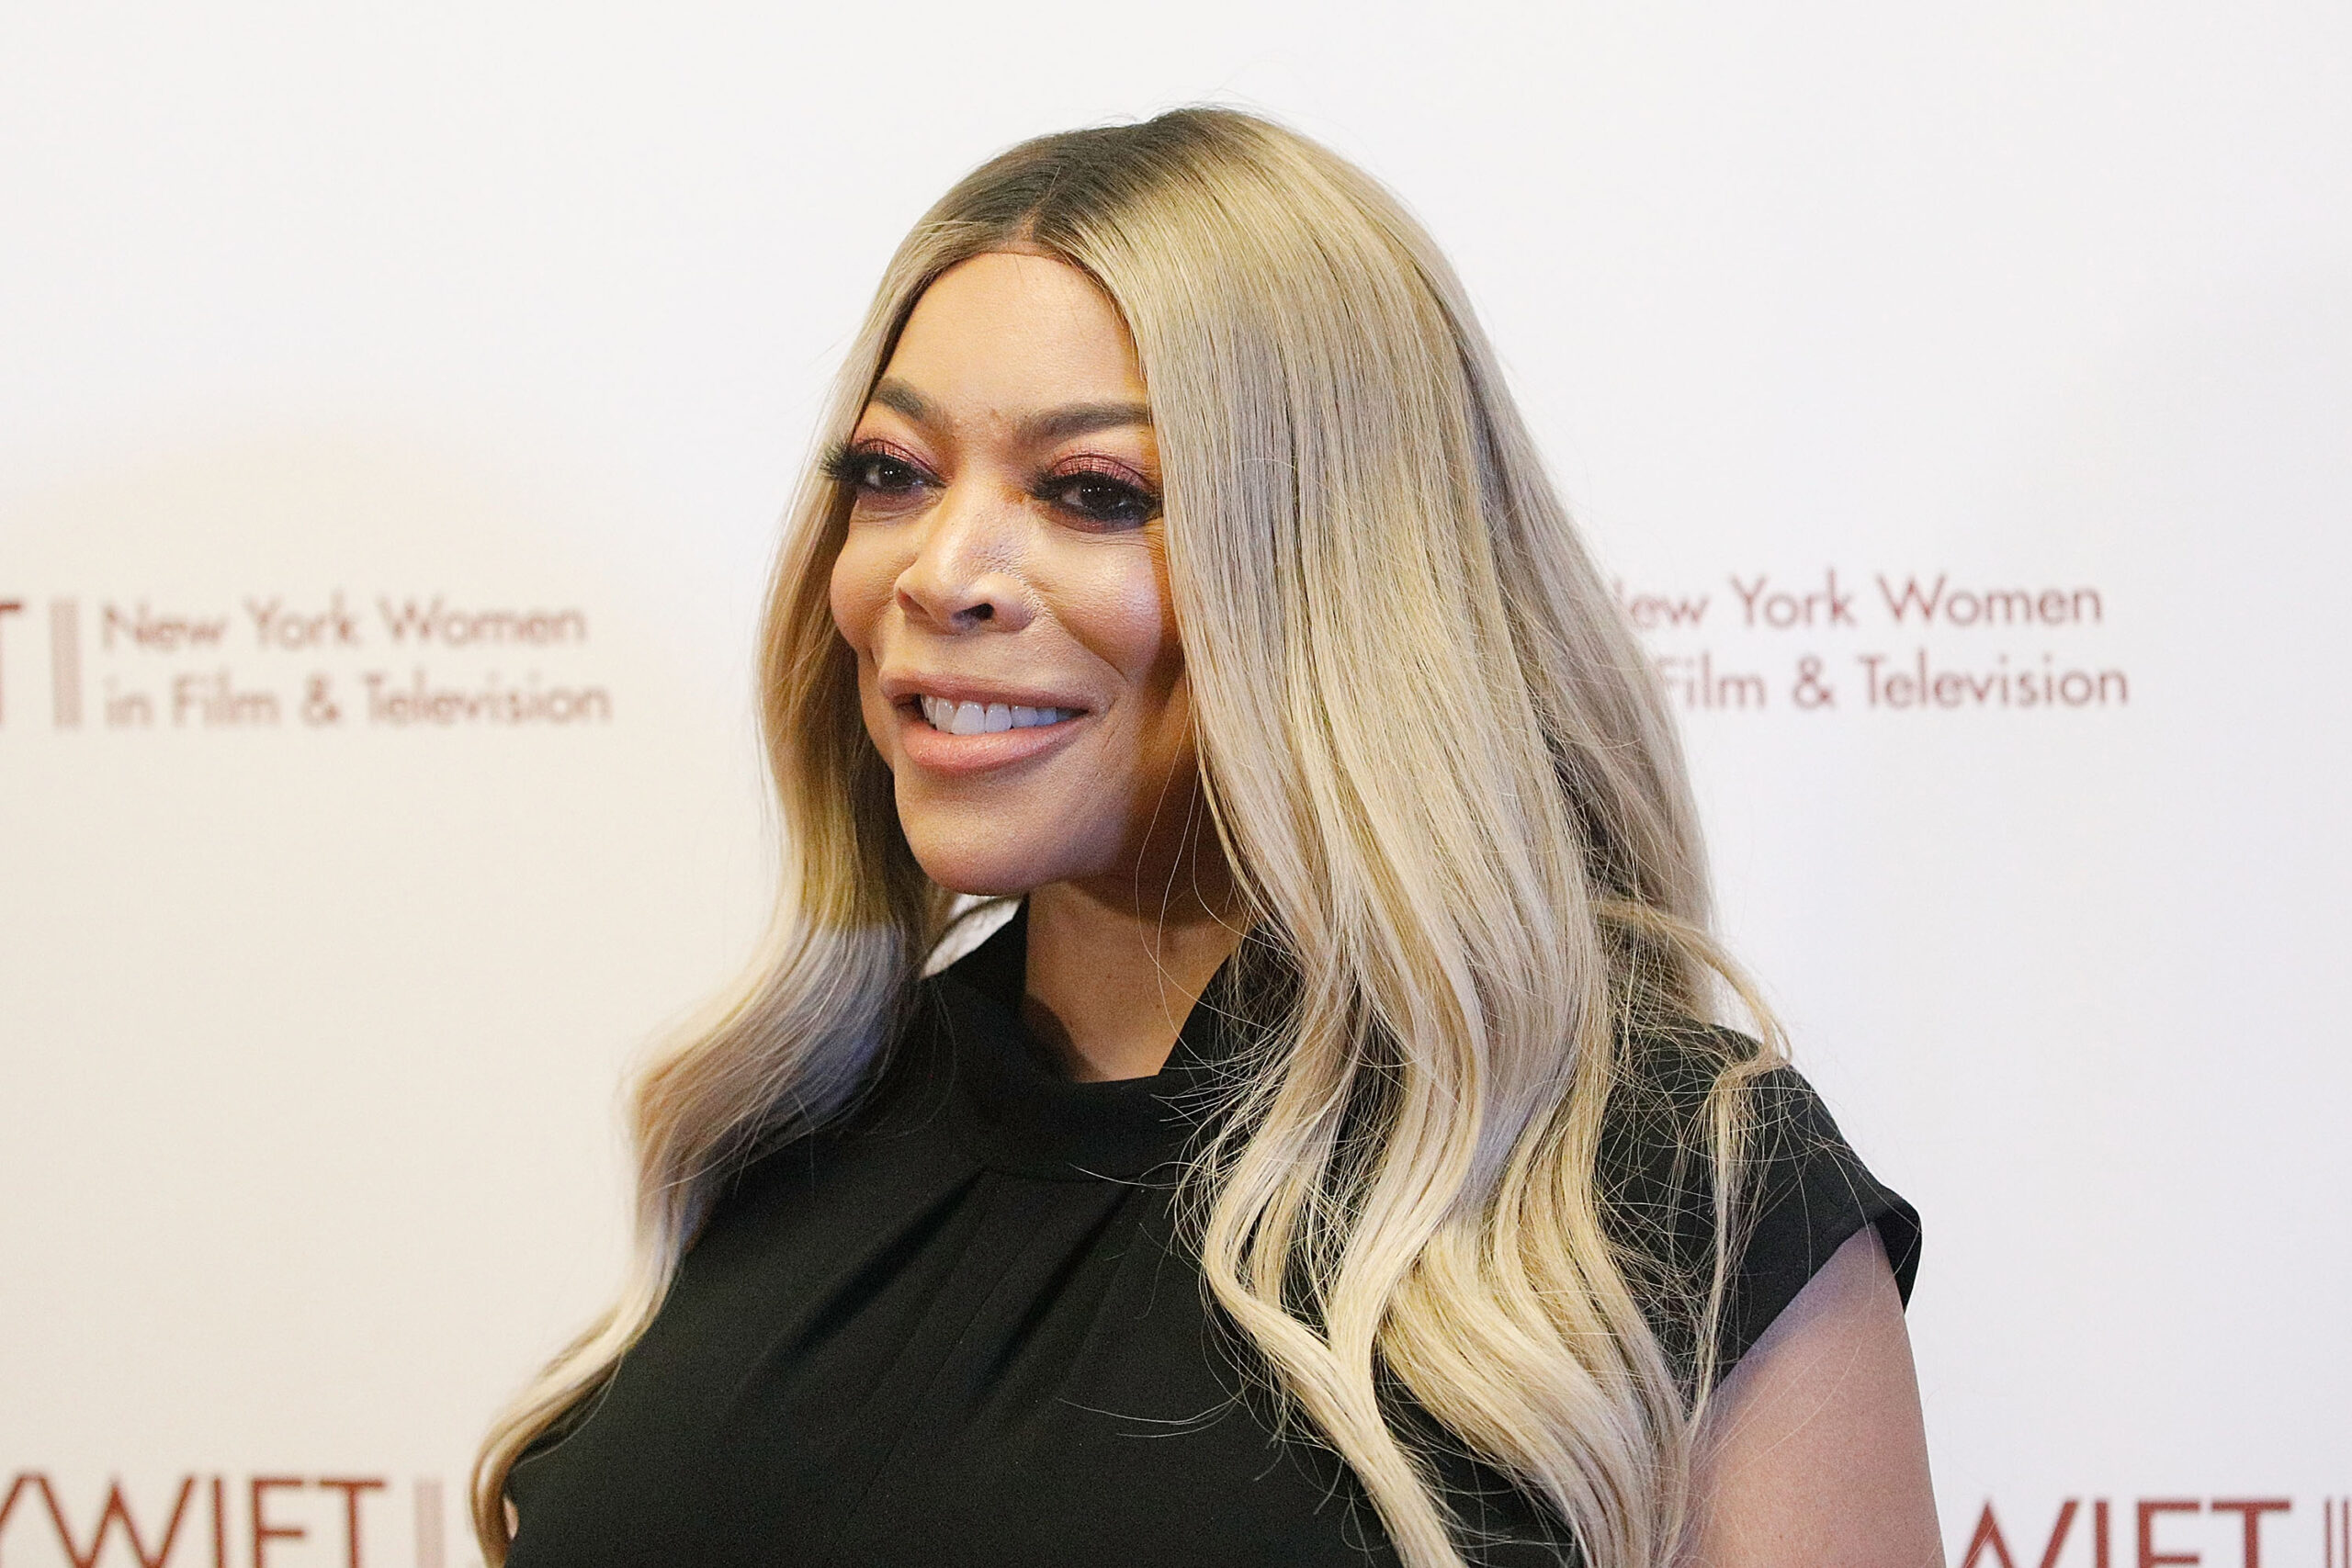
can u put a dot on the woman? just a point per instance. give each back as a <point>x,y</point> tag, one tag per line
<point>1327,1160</point>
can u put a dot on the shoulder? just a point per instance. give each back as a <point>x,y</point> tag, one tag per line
<point>1798,1192</point>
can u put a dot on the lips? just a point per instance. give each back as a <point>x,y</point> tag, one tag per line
<point>954,725</point>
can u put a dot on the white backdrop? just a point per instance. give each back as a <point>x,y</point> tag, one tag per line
<point>395,406</point>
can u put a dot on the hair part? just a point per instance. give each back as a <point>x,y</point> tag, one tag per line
<point>1452,799</point>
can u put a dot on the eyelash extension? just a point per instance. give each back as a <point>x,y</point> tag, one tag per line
<point>1045,491</point>
<point>844,463</point>
<point>1104,472</point>
<point>839,464</point>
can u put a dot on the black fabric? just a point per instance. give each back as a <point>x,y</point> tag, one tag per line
<point>960,1329</point>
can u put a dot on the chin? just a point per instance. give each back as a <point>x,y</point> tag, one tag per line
<point>979,882</point>
<point>986,864</point>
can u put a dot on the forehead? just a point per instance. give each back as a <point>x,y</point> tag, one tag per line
<point>1010,332</point>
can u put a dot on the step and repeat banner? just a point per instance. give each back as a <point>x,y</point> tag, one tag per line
<point>396,406</point>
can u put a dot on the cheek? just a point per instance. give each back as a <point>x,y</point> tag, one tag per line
<point>1119,609</point>
<point>859,590</point>
<point>1122,612</point>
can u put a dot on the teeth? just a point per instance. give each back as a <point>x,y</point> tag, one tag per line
<point>973,718</point>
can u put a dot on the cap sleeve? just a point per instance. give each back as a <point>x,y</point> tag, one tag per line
<point>1807,1192</point>
<point>1811,1193</point>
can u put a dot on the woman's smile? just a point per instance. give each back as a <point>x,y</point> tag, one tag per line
<point>954,725</point>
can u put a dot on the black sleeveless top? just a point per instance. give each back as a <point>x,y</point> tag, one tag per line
<point>960,1330</point>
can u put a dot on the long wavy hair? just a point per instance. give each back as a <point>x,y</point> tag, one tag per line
<point>1449,789</point>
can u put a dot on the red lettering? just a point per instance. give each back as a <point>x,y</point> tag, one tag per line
<point>2250,1511</point>
<point>1987,1537</point>
<point>2059,1532</point>
<point>1648,612</point>
<point>351,1491</point>
<point>219,1525</point>
<point>264,1531</point>
<point>2149,1508</point>
<point>1902,606</point>
<point>1823,606</point>
<point>117,1507</point>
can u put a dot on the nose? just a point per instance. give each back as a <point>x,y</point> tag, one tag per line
<point>965,571</point>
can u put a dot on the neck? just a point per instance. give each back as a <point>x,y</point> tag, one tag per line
<point>1111,979</point>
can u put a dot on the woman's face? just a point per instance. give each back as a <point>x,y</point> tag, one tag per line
<point>1005,583</point>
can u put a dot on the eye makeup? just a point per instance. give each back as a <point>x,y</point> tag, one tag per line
<point>1096,492</point>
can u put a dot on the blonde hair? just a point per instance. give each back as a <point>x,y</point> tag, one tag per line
<point>1452,796</point>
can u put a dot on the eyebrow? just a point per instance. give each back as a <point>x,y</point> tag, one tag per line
<point>1053,424</point>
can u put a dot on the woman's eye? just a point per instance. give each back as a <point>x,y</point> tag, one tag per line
<point>887,475</point>
<point>1103,500</point>
<point>876,473</point>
